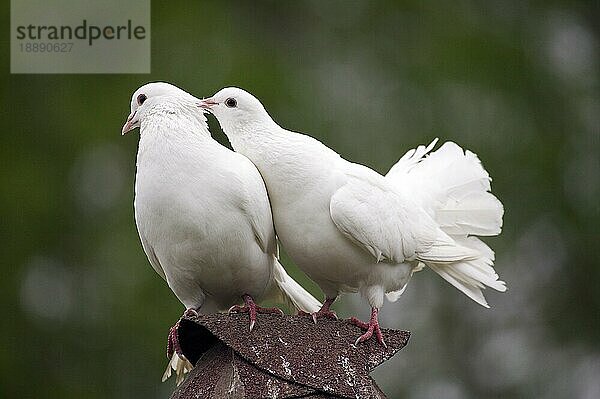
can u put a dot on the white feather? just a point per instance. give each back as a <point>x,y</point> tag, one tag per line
<point>202,212</point>
<point>351,229</point>
<point>293,292</point>
<point>180,365</point>
<point>453,187</point>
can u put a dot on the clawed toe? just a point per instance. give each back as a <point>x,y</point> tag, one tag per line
<point>177,360</point>
<point>173,345</point>
<point>372,327</point>
<point>253,309</point>
<point>321,313</point>
<point>238,309</point>
<point>359,323</point>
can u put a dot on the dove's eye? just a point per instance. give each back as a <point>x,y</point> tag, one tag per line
<point>231,102</point>
<point>141,98</point>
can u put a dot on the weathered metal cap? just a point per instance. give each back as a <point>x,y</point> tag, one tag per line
<point>283,357</point>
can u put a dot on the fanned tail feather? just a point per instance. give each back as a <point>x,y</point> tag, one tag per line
<point>452,186</point>
<point>471,277</point>
<point>454,189</point>
<point>411,158</point>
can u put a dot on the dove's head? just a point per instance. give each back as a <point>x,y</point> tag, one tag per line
<point>148,97</point>
<point>236,110</point>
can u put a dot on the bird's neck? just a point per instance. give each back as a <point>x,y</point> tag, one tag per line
<point>171,135</point>
<point>290,163</point>
<point>180,120</point>
<point>251,135</point>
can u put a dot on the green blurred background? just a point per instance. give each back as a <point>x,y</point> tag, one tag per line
<point>516,82</point>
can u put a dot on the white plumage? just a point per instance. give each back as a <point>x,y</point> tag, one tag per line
<point>352,229</point>
<point>202,210</point>
<point>454,189</point>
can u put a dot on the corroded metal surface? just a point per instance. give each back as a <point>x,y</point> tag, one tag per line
<point>283,357</point>
<point>222,373</point>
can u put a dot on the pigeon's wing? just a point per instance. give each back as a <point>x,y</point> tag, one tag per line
<point>371,213</point>
<point>152,258</point>
<point>255,204</point>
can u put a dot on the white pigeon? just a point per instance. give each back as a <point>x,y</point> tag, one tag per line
<point>202,214</point>
<point>350,228</point>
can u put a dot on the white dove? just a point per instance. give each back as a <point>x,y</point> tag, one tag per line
<point>350,228</point>
<point>202,213</point>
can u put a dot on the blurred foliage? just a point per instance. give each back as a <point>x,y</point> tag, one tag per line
<point>516,82</point>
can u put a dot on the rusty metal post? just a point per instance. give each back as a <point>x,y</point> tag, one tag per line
<point>283,357</point>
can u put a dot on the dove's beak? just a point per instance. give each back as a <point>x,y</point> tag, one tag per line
<point>130,124</point>
<point>207,104</point>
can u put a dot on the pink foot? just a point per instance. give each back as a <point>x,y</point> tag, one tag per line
<point>173,345</point>
<point>253,309</point>
<point>173,342</point>
<point>372,327</point>
<point>323,312</point>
